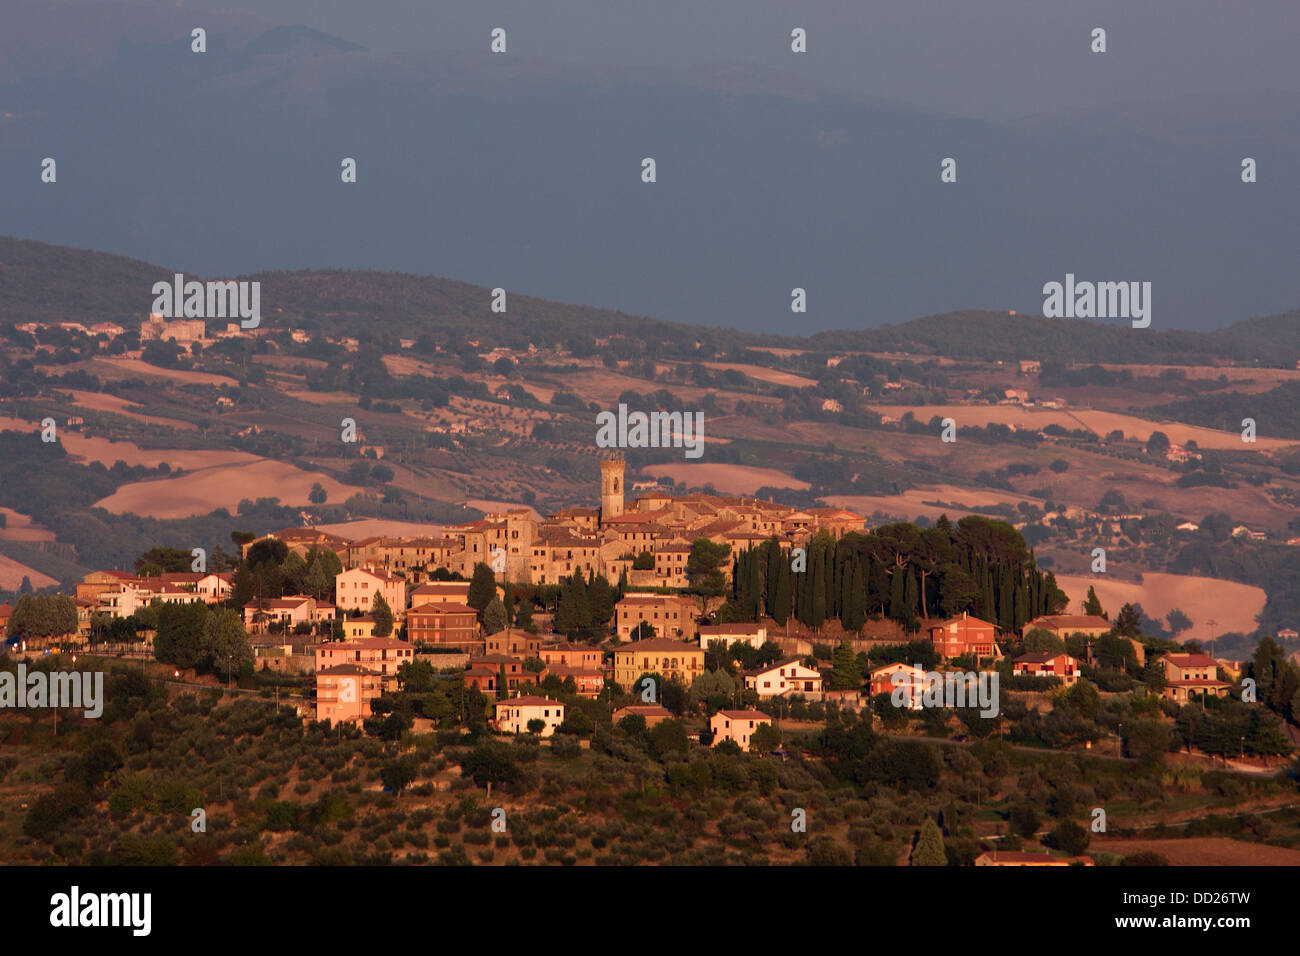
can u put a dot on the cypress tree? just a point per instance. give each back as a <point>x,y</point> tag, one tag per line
<point>783,596</point>
<point>896,595</point>
<point>817,606</point>
<point>856,606</point>
<point>754,599</point>
<point>773,576</point>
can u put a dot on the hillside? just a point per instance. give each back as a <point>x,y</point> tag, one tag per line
<point>457,405</point>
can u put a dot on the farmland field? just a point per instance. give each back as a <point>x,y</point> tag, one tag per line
<point>728,479</point>
<point>1232,606</point>
<point>223,486</point>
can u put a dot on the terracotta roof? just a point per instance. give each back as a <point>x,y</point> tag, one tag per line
<point>745,714</point>
<point>658,644</point>
<point>572,670</point>
<point>1191,660</point>
<point>366,644</point>
<point>644,710</point>
<point>531,701</point>
<point>348,669</point>
<point>968,618</point>
<point>1039,657</point>
<point>1025,858</point>
<point>655,599</point>
<point>1067,621</point>
<point>738,628</point>
<point>775,665</point>
<point>448,608</point>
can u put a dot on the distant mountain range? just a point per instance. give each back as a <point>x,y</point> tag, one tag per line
<point>523,174</point>
<point>49,283</point>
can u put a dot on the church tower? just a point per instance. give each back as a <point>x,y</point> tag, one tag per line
<point>611,487</point>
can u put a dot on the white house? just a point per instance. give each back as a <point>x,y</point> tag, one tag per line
<point>789,676</point>
<point>514,714</point>
<point>755,635</point>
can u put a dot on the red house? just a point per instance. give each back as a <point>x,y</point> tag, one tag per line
<point>485,673</point>
<point>963,635</point>
<point>588,680</point>
<point>1047,665</point>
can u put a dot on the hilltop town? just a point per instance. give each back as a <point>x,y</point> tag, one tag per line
<point>348,579</point>
<point>673,626</point>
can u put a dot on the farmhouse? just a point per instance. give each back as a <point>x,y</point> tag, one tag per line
<point>1063,625</point>
<point>515,714</point>
<point>789,676</point>
<point>1047,665</point>
<point>965,635</point>
<point>1192,675</point>
<point>1026,858</point>
<point>737,726</point>
<point>651,713</point>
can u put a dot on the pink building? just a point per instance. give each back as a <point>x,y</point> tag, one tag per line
<point>355,590</point>
<point>344,692</point>
<point>737,726</point>
<point>382,654</point>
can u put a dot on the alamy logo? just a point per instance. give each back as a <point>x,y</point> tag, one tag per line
<point>212,300</point>
<point>1098,300</point>
<point>655,430</point>
<point>919,688</point>
<point>76,689</point>
<point>75,909</point>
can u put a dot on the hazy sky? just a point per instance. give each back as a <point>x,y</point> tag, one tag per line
<point>986,58</point>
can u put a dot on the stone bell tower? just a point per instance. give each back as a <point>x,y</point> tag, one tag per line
<point>611,487</point>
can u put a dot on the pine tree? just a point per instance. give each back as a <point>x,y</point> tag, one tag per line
<point>494,617</point>
<point>524,615</point>
<point>482,588</point>
<point>845,674</point>
<point>1092,605</point>
<point>383,615</point>
<point>929,849</point>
